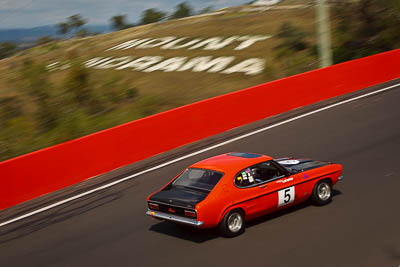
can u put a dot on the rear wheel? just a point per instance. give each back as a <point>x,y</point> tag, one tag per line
<point>322,192</point>
<point>233,224</point>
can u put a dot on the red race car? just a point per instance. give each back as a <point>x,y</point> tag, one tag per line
<point>229,189</point>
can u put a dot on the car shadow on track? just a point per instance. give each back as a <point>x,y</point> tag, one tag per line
<point>185,232</point>
<point>203,235</point>
<point>60,214</point>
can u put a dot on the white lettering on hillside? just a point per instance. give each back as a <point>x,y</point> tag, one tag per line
<point>172,42</point>
<point>96,61</point>
<point>113,63</point>
<point>248,41</point>
<point>199,64</point>
<point>168,65</point>
<point>156,42</point>
<point>252,66</point>
<point>141,63</point>
<point>215,43</point>
<point>128,44</point>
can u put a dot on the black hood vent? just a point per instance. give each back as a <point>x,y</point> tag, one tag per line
<point>300,165</point>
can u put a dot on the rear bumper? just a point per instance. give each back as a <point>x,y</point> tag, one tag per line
<point>174,218</point>
<point>340,177</point>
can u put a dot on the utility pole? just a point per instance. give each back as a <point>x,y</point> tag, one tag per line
<point>323,31</point>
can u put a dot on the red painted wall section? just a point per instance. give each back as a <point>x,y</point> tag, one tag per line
<point>50,169</point>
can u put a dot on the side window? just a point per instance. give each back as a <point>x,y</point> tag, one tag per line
<point>256,174</point>
<point>269,171</point>
<point>245,178</point>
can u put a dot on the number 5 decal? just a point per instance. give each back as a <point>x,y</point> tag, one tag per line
<point>285,196</point>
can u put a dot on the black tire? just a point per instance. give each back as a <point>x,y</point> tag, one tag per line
<point>322,193</point>
<point>232,224</point>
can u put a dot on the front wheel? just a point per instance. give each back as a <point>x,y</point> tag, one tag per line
<point>322,192</point>
<point>233,224</point>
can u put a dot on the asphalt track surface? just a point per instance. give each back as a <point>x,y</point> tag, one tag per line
<point>360,227</point>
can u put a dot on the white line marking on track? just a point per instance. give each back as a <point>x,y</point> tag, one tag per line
<point>193,154</point>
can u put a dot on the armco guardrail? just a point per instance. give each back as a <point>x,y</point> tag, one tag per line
<point>50,169</point>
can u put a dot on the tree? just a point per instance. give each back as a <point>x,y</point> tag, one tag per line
<point>82,33</point>
<point>181,11</point>
<point>62,28</point>
<point>292,37</point>
<point>293,49</point>
<point>79,85</point>
<point>7,49</point>
<point>119,22</point>
<point>10,107</point>
<point>73,23</point>
<point>365,27</point>
<point>76,21</point>
<point>152,15</point>
<point>40,90</point>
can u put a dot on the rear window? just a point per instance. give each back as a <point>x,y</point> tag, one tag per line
<point>198,179</point>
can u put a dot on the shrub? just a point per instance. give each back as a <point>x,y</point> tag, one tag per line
<point>131,93</point>
<point>10,107</point>
<point>148,105</point>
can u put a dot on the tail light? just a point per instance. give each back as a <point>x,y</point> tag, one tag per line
<point>153,206</point>
<point>190,213</point>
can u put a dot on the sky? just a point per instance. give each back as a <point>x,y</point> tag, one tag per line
<point>32,13</point>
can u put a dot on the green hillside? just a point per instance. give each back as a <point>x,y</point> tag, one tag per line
<point>66,89</point>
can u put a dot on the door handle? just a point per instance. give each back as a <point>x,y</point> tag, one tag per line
<point>262,186</point>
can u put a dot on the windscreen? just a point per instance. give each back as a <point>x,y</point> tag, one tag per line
<point>198,179</point>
